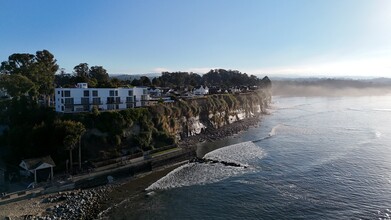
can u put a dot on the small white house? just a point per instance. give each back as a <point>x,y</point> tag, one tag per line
<point>83,99</point>
<point>201,90</point>
<point>41,168</point>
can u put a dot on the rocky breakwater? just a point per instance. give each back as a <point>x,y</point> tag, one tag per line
<point>77,204</point>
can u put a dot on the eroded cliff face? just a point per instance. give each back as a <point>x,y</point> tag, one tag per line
<point>143,129</point>
<point>186,118</point>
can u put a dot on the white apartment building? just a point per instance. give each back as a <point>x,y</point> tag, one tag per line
<point>83,99</point>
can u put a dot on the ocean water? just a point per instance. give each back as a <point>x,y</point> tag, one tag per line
<point>311,158</point>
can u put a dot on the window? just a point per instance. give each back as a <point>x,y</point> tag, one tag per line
<point>85,101</point>
<point>110,107</point>
<point>130,93</point>
<point>117,100</point>
<point>67,93</point>
<point>58,92</point>
<point>68,101</point>
<point>113,92</point>
<point>86,93</point>
<point>110,100</point>
<point>95,93</point>
<point>129,99</point>
<point>144,97</point>
<point>96,101</point>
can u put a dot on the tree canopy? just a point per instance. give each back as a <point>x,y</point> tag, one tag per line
<point>218,77</point>
<point>71,130</point>
<point>95,76</point>
<point>36,74</point>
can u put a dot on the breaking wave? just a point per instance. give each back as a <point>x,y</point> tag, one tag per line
<point>242,153</point>
<point>287,129</point>
<point>196,173</point>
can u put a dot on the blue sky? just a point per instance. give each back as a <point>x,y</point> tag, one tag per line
<point>272,37</point>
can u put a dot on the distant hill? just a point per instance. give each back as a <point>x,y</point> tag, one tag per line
<point>134,76</point>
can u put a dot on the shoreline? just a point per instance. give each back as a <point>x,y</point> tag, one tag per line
<point>89,203</point>
<point>97,201</point>
<point>134,187</point>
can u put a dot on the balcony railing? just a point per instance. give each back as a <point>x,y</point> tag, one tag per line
<point>114,102</point>
<point>81,104</point>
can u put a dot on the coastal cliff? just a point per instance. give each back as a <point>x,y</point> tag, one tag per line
<point>133,131</point>
<point>186,118</point>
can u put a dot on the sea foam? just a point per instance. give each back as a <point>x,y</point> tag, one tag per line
<point>242,153</point>
<point>206,173</point>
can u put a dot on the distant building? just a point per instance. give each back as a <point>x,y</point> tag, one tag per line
<point>40,168</point>
<point>201,90</point>
<point>235,89</point>
<point>155,92</point>
<point>83,99</point>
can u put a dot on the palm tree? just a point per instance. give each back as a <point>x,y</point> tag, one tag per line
<point>69,143</point>
<point>73,130</point>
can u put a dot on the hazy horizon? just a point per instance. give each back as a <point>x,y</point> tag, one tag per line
<point>271,76</point>
<point>307,38</point>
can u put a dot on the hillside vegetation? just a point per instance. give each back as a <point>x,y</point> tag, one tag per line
<point>29,126</point>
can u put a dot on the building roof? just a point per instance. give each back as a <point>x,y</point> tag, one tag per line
<point>34,163</point>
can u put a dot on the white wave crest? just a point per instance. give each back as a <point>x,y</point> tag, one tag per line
<point>205,173</point>
<point>290,130</point>
<point>242,153</point>
<point>195,174</point>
